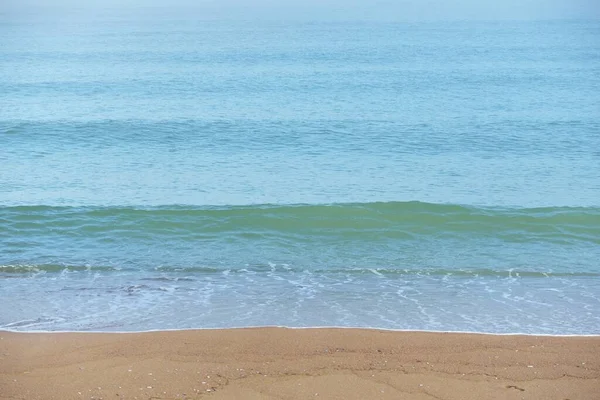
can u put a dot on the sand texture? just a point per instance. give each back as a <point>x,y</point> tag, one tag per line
<point>278,363</point>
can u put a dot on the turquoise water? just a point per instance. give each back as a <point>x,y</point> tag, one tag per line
<point>162,173</point>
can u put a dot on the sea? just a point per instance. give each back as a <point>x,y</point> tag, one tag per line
<point>175,172</point>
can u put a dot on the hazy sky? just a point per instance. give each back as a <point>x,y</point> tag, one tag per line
<point>329,9</point>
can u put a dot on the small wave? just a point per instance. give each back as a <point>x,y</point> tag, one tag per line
<point>41,268</point>
<point>191,273</point>
<point>393,220</point>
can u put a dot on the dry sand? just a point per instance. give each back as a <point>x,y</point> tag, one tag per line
<point>277,363</point>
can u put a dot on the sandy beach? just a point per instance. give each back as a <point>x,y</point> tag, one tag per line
<point>279,363</point>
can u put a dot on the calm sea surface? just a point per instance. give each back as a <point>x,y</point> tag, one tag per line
<point>166,173</point>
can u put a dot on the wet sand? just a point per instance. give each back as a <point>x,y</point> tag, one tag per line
<point>278,363</point>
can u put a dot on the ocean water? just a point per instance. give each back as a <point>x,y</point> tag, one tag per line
<point>170,173</point>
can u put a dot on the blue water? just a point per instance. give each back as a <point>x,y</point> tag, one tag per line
<point>167,173</point>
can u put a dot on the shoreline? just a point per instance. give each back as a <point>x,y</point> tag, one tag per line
<point>296,363</point>
<point>557,335</point>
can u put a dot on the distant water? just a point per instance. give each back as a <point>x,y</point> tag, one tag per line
<point>166,174</point>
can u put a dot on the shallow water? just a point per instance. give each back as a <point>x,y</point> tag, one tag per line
<point>187,174</point>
